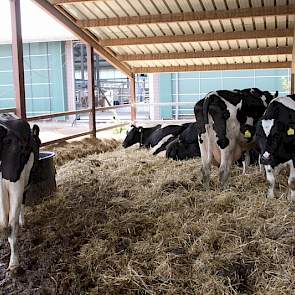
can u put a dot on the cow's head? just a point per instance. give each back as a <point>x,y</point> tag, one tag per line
<point>134,135</point>
<point>35,133</point>
<point>273,137</point>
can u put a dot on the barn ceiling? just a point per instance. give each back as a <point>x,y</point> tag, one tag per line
<point>187,35</point>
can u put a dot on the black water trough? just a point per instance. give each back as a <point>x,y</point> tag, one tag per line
<point>43,182</point>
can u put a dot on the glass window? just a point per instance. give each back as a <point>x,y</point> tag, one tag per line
<point>207,85</point>
<point>238,83</point>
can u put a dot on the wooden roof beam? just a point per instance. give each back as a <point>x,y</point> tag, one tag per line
<point>199,37</point>
<point>61,2</point>
<point>189,16</point>
<point>87,38</point>
<point>207,54</point>
<point>219,67</point>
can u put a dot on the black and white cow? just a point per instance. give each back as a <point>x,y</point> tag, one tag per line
<point>154,138</point>
<point>186,145</point>
<point>19,154</point>
<point>230,118</point>
<point>275,136</point>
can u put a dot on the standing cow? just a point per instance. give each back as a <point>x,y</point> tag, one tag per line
<point>19,153</point>
<point>229,124</point>
<point>276,138</point>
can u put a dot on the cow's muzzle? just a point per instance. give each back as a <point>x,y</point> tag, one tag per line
<point>265,158</point>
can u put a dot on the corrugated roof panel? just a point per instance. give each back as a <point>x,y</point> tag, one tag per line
<point>290,41</point>
<point>233,44</point>
<point>196,27</point>
<point>252,43</point>
<point>220,4</point>
<point>173,7</point>
<point>282,42</point>
<point>208,5</point>
<point>196,5</point>
<point>185,7</point>
<point>161,6</point>
<point>256,3</point>
<point>262,43</point>
<point>281,21</point>
<point>242,44</point>
<point>106,8</point>
<point>214,45</point>
<point>196,46</point>
<point>243,3</point>
<point>74,11</point>
<point>137,30</point>
<point>165,30</point>
<point>224,45</point>
<point>255,59</point>
<point>99,33</point>
<point>269,2</point>
<point>216,26</point>
<point>186,28</point>
<point>138,8</point>
<point>231,4</point>
<point>270,22</point>
<point>237,24</point>
<point>176,29</point>
<point>248,23</point>
<point>206,26</point>
<point>272,42</point>
<point>85,10</point>
<point>259,23</point>
<point>247,59</point>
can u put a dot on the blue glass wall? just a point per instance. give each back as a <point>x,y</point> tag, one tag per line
<point>45,78</point>
<point>188,88</point>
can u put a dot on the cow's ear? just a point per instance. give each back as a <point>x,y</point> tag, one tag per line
<point>132,126</point>
<point>36,130</point>
<point>276,94</point>
<point>3,132</point>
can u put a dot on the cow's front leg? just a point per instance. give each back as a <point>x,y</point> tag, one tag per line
<point>246,162</point>
<point>16,196</point>
<point>4,211</point>
<point>291,182</point>
<point>270,176</point>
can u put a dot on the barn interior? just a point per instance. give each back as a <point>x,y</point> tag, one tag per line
<point>126,222</point>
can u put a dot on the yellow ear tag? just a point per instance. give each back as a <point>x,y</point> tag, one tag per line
<point>290,131</point>
<point>247,134</point>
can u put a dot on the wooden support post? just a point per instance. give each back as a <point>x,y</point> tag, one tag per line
<point>293,67</point>
<point>17,59</point>
<point>90,85</point>
<point>132,97</point>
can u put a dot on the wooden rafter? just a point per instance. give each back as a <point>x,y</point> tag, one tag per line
<point>207,54</point>
<point>61,2</point>
<point>199,37</point>
<point>190,16</point>
<point>220,67</point>
<point>69,24</point>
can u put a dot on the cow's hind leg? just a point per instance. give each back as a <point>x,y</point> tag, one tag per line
<point>4,211</point>
<point>291,182</point>
<point>206,157</point>
<point>224,169</point>
<point>15,197</point>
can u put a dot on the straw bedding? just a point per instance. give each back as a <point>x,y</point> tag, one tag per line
<point>126,222</point>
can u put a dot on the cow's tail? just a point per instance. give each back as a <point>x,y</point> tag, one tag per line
<point>219,115</point>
